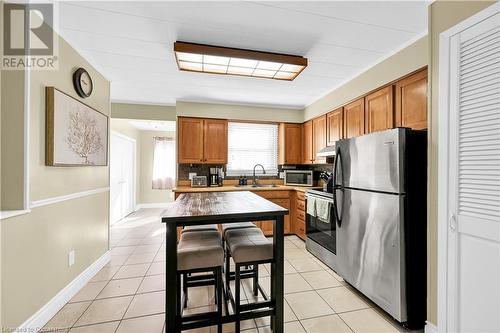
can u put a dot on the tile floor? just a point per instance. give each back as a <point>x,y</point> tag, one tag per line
<point>128,294</point>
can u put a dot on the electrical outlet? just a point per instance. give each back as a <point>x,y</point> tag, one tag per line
<point>71,258</point>
<point>191,175</point>
<point>282,175</point>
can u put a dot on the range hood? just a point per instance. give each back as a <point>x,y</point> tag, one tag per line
<point>328,151</point>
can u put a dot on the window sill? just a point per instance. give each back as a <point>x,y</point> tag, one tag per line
<point>5,214</point>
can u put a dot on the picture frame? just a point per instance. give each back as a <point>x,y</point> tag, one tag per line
<point>75,133</point>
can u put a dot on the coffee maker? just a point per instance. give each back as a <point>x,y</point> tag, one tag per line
<point>215,177</point>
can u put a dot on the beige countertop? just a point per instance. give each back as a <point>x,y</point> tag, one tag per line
<point>227,188</point>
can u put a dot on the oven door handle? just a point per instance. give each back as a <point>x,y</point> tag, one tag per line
<point>338,218</point>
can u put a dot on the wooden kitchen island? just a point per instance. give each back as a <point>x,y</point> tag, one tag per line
<point>224,207</point>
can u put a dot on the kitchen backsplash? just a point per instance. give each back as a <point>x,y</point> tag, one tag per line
<point>203,170</point>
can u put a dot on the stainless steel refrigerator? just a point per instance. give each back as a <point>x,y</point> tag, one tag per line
<point>380,210</point>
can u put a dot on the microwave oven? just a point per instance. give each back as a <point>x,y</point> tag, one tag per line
<point>299,177</point>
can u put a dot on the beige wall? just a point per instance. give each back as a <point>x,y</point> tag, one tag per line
<point>405,61</point>
<point>148,195</point>
<point>442,16</point>
<point>238,112</point>
<point>123,127</point>
<point>55,181</point>
<point>142,111</point>
<point>12,139</point>
<point>35,267</point>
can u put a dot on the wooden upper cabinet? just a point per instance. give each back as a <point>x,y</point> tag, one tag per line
<point>215,141</point>
<point>202,141</point>
<point>307,142</point>
<point>290,144</point>
<point>190,140</point>
<point>354,118</point>
<point>411,101</point>
<point>379,109</point>
<point>319,138</point>
<point>334,126</point>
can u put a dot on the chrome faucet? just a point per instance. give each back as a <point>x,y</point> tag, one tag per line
<point>263,171</point>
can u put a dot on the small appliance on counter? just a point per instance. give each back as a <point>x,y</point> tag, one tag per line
<point>327,177</point>
<point>199,181</point>
<point>216,176</point>
<point>299,177</point>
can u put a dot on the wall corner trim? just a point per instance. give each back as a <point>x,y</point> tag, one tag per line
<point>5,214</point>
<point>42,316</point>
<point>430,327</point>
<point>53,200</point>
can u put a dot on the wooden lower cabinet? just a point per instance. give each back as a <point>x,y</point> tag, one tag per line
<point>267,226</point>
<point>299,215</point>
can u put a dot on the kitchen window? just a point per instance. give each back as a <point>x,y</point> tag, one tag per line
<point>249,144</point>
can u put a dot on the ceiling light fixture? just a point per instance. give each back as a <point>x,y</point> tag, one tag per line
<point>230,61</point>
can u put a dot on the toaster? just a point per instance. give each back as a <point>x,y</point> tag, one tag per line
<point>199,181</point>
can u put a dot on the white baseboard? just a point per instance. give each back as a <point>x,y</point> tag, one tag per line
<point>42,316</point>
<point>430,328</point>
<point>153,205</point>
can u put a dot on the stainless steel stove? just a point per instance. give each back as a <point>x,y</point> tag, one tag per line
<point>321,235</point>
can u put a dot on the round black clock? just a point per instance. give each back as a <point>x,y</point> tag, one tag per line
<point>83,83</point>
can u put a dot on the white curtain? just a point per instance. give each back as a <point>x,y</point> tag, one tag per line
<point>164,163</point>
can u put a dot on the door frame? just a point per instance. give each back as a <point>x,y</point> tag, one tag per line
<point>134,185</point>
<point>444,301</point>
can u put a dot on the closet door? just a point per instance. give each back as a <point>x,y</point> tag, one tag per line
<point>473,160</point>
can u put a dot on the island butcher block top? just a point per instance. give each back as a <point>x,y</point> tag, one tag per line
<point>208,207</point>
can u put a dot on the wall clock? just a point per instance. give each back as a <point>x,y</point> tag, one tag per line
<point>82,83</point>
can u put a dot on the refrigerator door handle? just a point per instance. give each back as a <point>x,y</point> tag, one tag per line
<point>338,218</point>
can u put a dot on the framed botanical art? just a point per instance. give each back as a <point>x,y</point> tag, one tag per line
<point>75,133</point>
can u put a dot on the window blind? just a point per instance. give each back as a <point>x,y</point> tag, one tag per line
<point>249,144</point>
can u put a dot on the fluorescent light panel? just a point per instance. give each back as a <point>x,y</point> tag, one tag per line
<point>222,60</point>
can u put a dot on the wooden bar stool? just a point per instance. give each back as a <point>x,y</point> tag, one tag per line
<point>247,247</point>
<point>199,252</point>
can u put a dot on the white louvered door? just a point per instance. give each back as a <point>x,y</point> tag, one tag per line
<point>474,179</point>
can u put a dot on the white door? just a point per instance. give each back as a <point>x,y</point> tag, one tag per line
<point>122,177</point>
<point>470,163</point>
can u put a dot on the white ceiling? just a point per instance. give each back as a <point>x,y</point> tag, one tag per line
<point>131,44</point>
<point>153,125</point>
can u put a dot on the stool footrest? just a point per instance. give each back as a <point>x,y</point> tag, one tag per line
<point>256,305</point>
